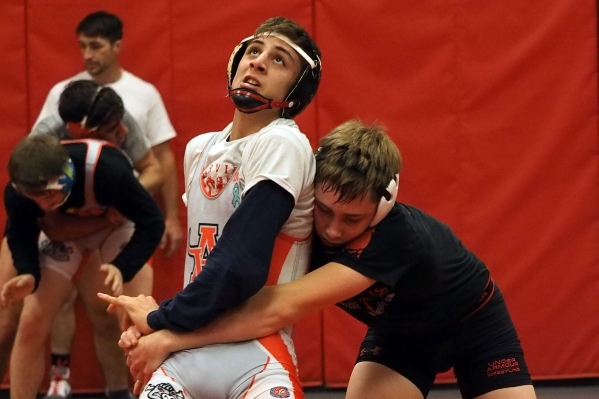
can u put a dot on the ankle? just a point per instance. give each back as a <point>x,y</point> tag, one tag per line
<point>60,373</point>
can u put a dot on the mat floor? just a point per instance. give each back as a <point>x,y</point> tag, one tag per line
<point>579,389</point>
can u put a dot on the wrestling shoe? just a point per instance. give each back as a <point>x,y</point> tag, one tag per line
<point>59,383</point>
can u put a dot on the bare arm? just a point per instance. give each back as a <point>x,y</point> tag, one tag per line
<point>271,309</point>
<point>150,173</point>
<point>275,307</point>
<point>173,235</point>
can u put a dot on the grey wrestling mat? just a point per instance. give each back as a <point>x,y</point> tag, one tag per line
<point>568,389</point>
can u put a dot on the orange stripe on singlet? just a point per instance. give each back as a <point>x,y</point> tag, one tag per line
<point>283,245</point>
<point>163,370</point>
<point>275,345</point>
<point>254,378</point>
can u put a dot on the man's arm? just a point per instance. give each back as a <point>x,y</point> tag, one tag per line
<point>144,160</point>
<point>277,306</point>
<point>116,186</point>
<point>151,175</point>
<point>22,232</point>
<point>265,313</point>
<point>170,196</point>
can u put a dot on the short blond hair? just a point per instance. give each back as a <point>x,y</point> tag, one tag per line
<point>356,160</point>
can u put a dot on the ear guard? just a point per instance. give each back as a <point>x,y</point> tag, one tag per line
<point>63,183</point>
<point>387,201</point>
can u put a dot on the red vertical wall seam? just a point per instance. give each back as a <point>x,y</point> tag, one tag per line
<point>27,79</point>
<point>315,106</point>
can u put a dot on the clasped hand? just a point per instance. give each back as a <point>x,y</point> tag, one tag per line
<point>145,353</point>
<point>18,287</point>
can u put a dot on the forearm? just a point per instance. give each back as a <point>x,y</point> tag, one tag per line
<point>151,178</point>
<point>132,201</point>
<point>24,253</point>
<point>140,247</point>
<point>277,306</point>
<point>170,189</point>
<point>260,316</point>
<point>151,175</point>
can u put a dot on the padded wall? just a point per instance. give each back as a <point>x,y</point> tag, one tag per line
<point>13,87</point>
<point>13,84</point>
<point>493,105</point>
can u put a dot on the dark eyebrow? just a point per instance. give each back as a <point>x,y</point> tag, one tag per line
<point>280,48</point>
<point>284,50</point>
<point>90,42</point>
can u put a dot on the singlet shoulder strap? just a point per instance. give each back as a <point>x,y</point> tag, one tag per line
<point>199,160</point>
<point>94,149</point>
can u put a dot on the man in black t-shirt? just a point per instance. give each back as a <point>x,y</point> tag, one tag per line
<point>429,303</point>
<point>90,180</point>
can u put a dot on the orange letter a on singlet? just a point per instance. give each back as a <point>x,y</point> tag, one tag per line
<point>207,241</point>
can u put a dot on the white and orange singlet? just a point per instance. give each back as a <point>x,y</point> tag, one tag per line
<point>218,175</point>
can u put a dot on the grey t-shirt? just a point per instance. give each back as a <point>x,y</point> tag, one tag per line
<point>134,145</point>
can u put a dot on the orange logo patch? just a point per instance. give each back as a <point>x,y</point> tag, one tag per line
<point>280,392</point>
<point>216,177</point>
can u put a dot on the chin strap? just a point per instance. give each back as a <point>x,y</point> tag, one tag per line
<point>248,101</point>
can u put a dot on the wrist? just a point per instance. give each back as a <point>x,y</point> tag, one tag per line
<point>169,341</point>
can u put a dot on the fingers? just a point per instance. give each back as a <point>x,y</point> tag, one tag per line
<point>117,286</point>
<point>163,241</point>
<point>114,278</point>
<point>111,308</point>
<point>175,244</point>
<point>19,287</point>
<point>5,295</point>
<point>113,301</point>
<point>135,366</point>
<point>109,278</point>
<point>4,299</point>
<point>126,322</point>
<point>147,377</point>
<point>138,387</point>
<point>170,251</point>
<point>129,338</point>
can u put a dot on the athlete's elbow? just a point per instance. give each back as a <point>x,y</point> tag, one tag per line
<point>280,316</point>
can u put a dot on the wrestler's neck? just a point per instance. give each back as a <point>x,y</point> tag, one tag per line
<point>109,76</point>
<point>247,124</point>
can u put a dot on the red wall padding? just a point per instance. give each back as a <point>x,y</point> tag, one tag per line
<point>493,105</point>
<point>13,87</point>
<point>13,84</point>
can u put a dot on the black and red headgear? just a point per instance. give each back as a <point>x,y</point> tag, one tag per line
<point>299,97</point>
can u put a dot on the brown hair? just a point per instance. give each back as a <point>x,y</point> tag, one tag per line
<point>36,160</point>
<point>356,160</point>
